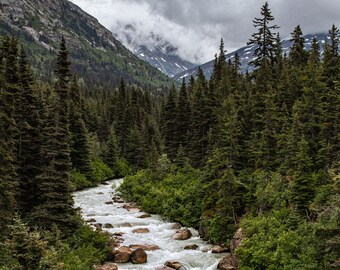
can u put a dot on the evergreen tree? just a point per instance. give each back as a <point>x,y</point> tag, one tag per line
<point>111,154</point>
<point>302,189</point>
<point>331,61</point>
<point>55,200</point>
<point>183,116</point>
<point>264,39</point>
<point>8,90</point>
<point>80,154</point>
<point>121,114</point>
<point>314,54</point>
<point>298,55</point>
<point>29,150</point>
<point>170,125</point>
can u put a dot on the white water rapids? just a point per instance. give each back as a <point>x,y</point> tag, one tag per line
<point>92,204</point>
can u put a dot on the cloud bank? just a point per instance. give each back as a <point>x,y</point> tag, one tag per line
<point>196,26</point>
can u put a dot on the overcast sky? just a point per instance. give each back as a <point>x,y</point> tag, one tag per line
<point>196,26</point>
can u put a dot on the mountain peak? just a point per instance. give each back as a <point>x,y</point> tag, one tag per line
<point>96,54</point>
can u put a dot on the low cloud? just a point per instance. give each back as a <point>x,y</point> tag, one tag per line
<point>196,26</point>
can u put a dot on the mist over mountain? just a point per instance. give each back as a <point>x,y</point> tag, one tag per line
<point>153,49</point>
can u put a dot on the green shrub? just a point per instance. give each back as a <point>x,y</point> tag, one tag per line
<point>273,243</point>
<point>86,248</point>
<point>121,168</point>
<point>175,195</point>
<point>100,171</point>
<point>79,180</point>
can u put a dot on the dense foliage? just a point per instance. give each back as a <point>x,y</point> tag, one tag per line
<point>56,139</point>
<point>262,151</point>
<point>258,151</point>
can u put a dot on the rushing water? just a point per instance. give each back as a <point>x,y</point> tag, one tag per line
<point>92,204</point>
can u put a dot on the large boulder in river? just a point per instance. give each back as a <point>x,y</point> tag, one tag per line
<point>107,226</point>
<point>117,199</point>
<point>183,234</point>
<point>145,247</point>
<point>144,216</point>
<point>175,265</point>
<point>139,256</point>
<point>107,266</point>
<point>91,220</point>
<point>176,226</point>
<point>141,230</point>
<point>122,254</point>
<point>219,249</point>
<point>192,247</point>
<point>226,263</point>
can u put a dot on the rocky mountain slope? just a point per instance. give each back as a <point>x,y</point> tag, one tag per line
<point>164,58</point>
<point>96,55</point>
<point>153,49</point>
<point>246,55</point>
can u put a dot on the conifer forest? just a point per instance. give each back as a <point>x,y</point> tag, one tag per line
<point>253,152</point>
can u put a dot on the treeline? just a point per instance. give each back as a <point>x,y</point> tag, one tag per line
<point>56,138</point>
<point>258,151</point>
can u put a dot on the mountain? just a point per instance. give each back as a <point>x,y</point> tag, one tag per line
<point>96,55</point>
<point>153,49</point>
<point>164,58</point>
<point>246,56</point>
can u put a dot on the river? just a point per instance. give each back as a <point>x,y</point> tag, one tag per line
<point>93,204</point>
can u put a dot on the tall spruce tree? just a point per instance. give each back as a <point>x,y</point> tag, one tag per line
<point>264,39</point>
<point>8,89</point>
<point>170,125</point>
<point>55,200</point>
<point>183,116</point>
<point>29,150</point>
<point>298,56</point>
<point>331,61</point>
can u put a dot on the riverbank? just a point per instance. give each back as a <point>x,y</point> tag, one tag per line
<point>97,206</point>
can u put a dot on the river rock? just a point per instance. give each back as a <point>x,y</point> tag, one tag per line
<point>145,247</point>
<point>91,215</point>
<point>100,193</point>
<point>98,225</point>
<point>134,210</point>
<point>122,254</point>
<point>130,205</point>
<point>183,234</point>
<point>109,202</point>
<point>144,216</point>
<point>141,230</point>
<point>126,224</point>
<point>176,226</point>
<point>164,268</point>
<point>119,234</point>
<point>219,249</point>
<point>117,199</point>
<point>192,247</point>
<point>226,263</point>
<point>108,226</point>
<point>107,266</point>
<point>175,265</point>
<point>139,256</point>
<point>91,220</point>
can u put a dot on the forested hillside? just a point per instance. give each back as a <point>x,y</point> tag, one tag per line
<point>255,152</point>
<point>258,151</point>
<point>97,57</point>
<point>56,138</point>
